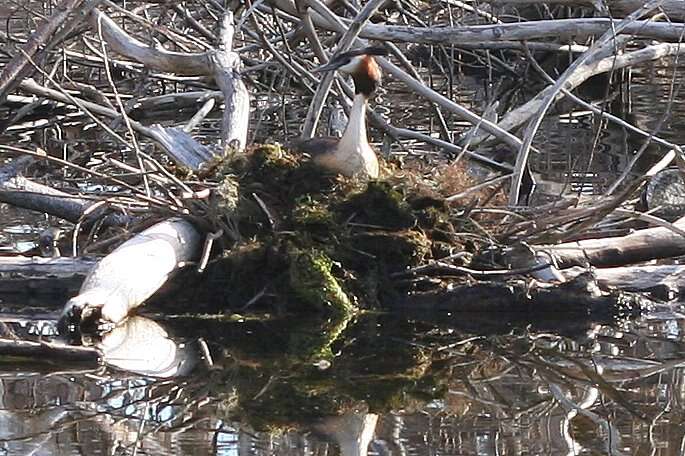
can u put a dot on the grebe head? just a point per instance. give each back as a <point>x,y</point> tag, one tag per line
<point>361,65</point>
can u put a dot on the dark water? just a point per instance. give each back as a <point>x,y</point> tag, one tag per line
<point>397,385</point>
<point>427,384</point>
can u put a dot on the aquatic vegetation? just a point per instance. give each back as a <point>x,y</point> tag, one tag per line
<point>319,241</point>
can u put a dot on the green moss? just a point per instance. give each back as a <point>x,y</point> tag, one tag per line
<point>312,282</point>
<point>277,200</point>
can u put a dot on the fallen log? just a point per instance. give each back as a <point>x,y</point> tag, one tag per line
<point>25,193</point>
<point>51,279</point>
<point>664,281</point>
<point>124,279</point>
<point>181,63</point>
<point>22,266</point>
<point>50,352</point>
<point>135,270</point>
<point>619,8</point>
<point>560,29</point>
<point>642,245</point>
<point>579,296</point>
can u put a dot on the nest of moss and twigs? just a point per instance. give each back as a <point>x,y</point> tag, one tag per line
<point>301,239</point>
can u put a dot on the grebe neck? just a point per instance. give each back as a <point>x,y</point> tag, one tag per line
<point>355,132</point>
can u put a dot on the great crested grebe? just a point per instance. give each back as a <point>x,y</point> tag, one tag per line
<point>350,155</point>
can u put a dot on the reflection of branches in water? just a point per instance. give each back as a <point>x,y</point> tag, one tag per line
<point>532,389</point>
<point>143,406</point>
<point>546,378</point>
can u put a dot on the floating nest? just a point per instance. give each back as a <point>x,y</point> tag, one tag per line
<point>303,238</point>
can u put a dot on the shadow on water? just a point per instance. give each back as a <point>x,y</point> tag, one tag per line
<point>378,384</point>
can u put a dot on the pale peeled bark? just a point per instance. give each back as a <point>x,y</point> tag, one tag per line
<point>129,275</point>
<point>181,63</point>
<point>560,29</point>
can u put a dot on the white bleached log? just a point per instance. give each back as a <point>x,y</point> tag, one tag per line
<point>181,63</point>
<point>226,72</point>
<point>129,275</point>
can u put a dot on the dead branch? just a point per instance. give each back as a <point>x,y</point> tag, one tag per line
<point>642,245</point>
<point>20,65</point>
<point>223,64</point>
<point>57,353</point>
<point>562,29</point>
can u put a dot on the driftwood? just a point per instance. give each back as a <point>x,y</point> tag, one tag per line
<point>51,279</point>
<point>642,245</point>
<point>223,64</point>
<point>51,352</point>
<point>596,51</point>
<point>563,29</point>
<point>18,266</point>
<point>672,8</point>
<point>113,293</point>
<point>666,281</point>
<point>125,278</point>
<point>134,271</point>
<point>523,113</point>
<point>22,192</point>
<point>181,63</point>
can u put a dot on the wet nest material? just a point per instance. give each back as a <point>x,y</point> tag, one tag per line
<point>303,240</point>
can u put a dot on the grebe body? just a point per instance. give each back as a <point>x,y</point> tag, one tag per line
<point>350,155</point>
